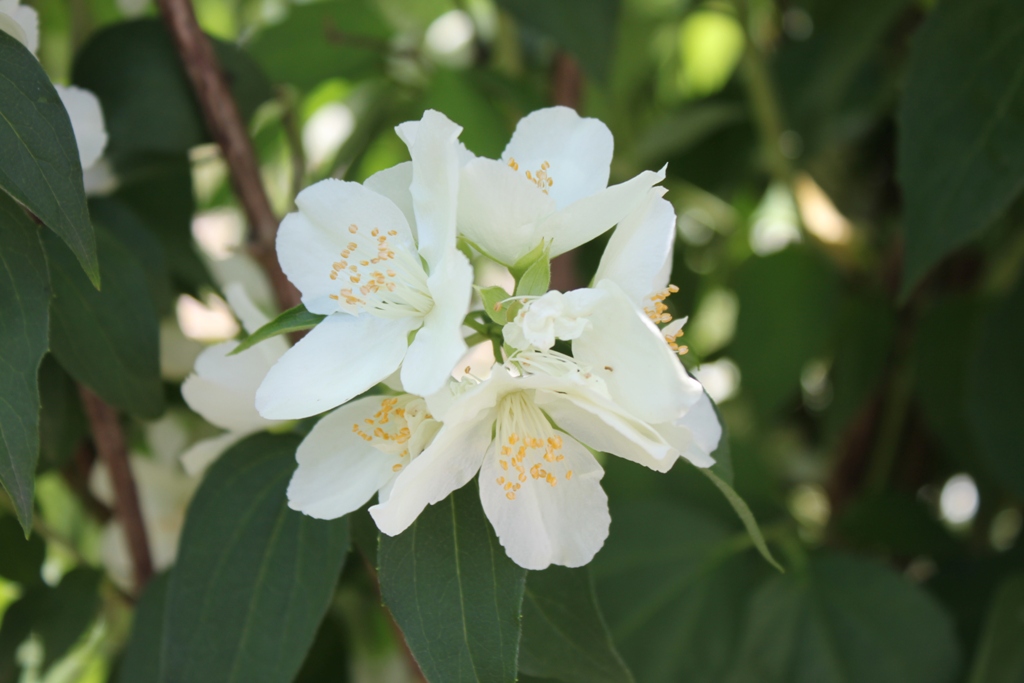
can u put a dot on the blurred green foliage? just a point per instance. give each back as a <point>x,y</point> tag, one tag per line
<point>847,179</point>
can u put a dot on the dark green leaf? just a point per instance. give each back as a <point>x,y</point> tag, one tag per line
<point>454,593</point>
<point>22,559</point>
<point>673,584</point>
<point>845,620</point>
<point>328,658</point>
<point>294,319</point>
<point>62,423</point>
<point>994,381</point>
<point>1000,657</point>
<point>896,523</point>
<point>24,327</point>
<point>141,658</point>
<point>159,190</point>
<point>745,515</point>
<point>787,306</point>
<point>314,42</point>
<point>108,340</point>
<point>586,28</point>
<point>564,634</point>
<point>121,63</point>
<point>40,166</point>
<point>253,578</point>
<point>131,231</point>
<point>961,148</point>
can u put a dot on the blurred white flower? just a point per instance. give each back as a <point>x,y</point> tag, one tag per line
<point>222,388</point>
<point>164,493</point>
<point>86,120</point>
<point>551,184</point>
<point>20,21</point>
<point>449,39</point>
<point>380,261</point>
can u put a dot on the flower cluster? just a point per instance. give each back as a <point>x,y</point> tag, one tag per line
<point>594,369</point>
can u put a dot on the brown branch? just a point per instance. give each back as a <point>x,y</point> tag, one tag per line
<point>227,128</point>
<point>113,451</point>
<point>567,91</point>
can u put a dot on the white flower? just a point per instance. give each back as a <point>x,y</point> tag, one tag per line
<point>552,316</point>
<point>20,21</point>
<point>551,184</point>
<point>539,486</point>
<point>380,261</point>
<point>87,122</point>
<point>356,451</point>
<point>223,387</point>
<point>636,265</point>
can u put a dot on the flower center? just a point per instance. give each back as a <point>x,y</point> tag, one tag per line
<point>402,427</point>
<point>657,311</point>
<point>540,177</point>
<point>378,278</point>
<point>529,448</point>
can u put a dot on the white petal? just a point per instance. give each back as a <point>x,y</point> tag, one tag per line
<point>338,471</point>
<point>696,434</point>
<point>578,151</point>
<point>309,242</point>
<point>591,216</point>
<point>339,359</point>
<point>625,349</point>
<point>205,452</point>
<point>434,148</point>
<point>394,184</point>
<point>223,388</point>
<point>251,317</point>
<point>22,22</point>
<point>541,524</point>
<point>223,406</point>
<point>499,210</point>
<point>604,427</point>
<point>439,345</point>
<point>638,257</point>
<point>86,121</point>
<point>447,464</point>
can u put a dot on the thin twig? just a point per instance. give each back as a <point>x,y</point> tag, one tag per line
<point>113,451</point>
<point>297,154</point>
<point>567,91</point>
<point>227,128</point>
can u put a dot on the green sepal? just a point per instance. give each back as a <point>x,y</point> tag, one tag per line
<point>494,303</point>
<point>745,515</point>
<point>538,253</point>
<point>293,320</point>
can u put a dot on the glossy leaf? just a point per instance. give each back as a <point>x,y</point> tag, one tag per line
<point>1000,658</point>
<point>108,340</point>
<point>564,634</point>
<point>141,658</point>
<point>961,146</point>
<point>294,319</point>
<point>22,559</point>
<point>253,578</point>
<point>585,28</point>
<point>845,620</point>
<point>994,399</point>
<point>673,583</point>
<point>120,64</point>
<point>24,328</point>
<point>41,168</point>
<point>787,308</point>
<point>317,41</point>
<point>454,593</point>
